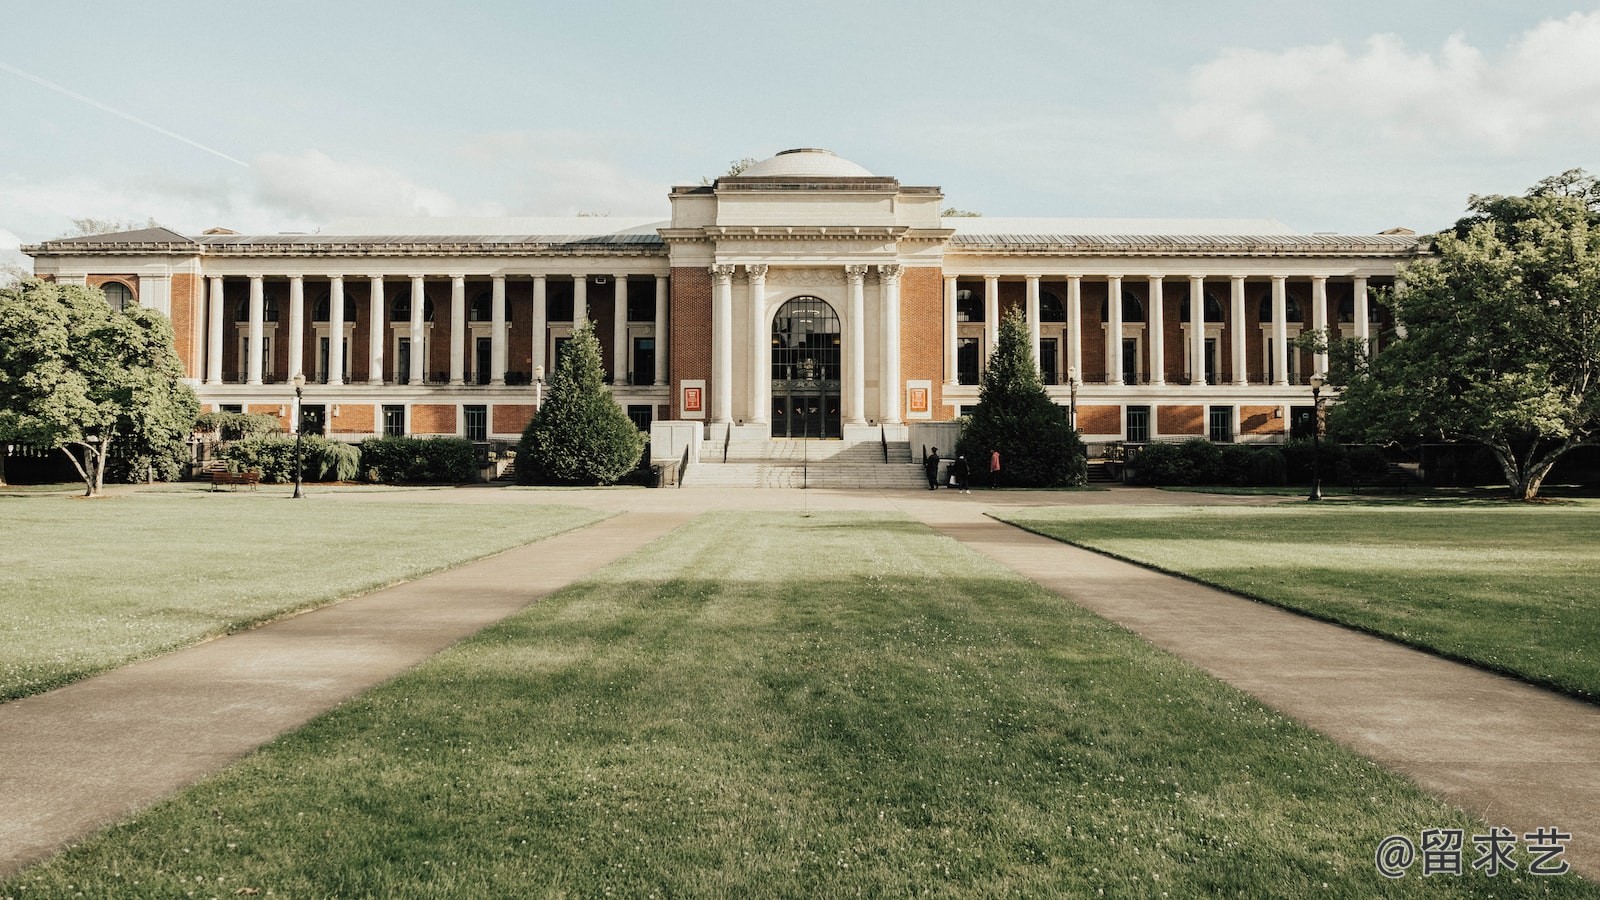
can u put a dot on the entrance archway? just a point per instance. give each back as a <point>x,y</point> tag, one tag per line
<point>805,369</point>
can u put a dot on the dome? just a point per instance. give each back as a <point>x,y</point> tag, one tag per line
<point>805,162</point>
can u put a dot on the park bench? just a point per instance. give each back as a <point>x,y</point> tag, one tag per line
<point>234,479</point>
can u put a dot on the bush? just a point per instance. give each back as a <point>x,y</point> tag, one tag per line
<point>580,435</point>
<point>1016,417</point>
<point>231,426</point>
<point>1267,467</point>
<point>1234,462</point>
<point>1297,456</point>
<point>273,456</point>
<point>1195,461</point>
<point>412,460</point>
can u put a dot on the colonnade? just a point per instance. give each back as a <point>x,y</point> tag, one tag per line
<point>460,333</point>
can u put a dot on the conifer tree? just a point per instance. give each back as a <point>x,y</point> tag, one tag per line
<point>1038,446</point>
<point>579,435</point>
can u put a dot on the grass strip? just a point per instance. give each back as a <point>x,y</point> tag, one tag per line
<point>88,585</point>
<point>1506,587</point>
<point>764,704</point>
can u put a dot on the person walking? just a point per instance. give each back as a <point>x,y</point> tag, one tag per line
<point>994,468</point>
<point>930,465</point>
<point>960,475</point>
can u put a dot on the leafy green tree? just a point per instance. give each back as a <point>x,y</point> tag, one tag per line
<point>79,376</point>
<point>580,435</point>
<point>1038,446</point>
<point>1502,345</point>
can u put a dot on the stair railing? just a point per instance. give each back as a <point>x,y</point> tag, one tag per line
<point>727,438</point>
<point>883,438</point>
<point>683,467</point>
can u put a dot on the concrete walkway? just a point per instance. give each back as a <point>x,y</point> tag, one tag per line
<point>91,753</point>
<point>1509,753</point>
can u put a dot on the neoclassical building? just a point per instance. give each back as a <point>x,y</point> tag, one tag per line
<point>803,297</point>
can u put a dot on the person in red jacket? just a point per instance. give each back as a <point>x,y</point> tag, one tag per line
<point>994,468</point>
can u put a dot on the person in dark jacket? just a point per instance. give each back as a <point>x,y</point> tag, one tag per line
<point>930,465</point>
<point>960,472</point>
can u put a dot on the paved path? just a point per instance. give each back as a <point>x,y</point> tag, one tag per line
<point>1509,753</point>
<point>91,753</point>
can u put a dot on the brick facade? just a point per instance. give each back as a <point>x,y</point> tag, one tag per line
<point>1099,419</point>
<point>922,332</point>
<point>433,418</point>
<point>511,418</point>
<point>689,330</point>
<point>353,418</point>
<point>1261,420</point>
<point>1181,420</point>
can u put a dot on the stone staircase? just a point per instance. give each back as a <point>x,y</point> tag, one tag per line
<point>783,463</point>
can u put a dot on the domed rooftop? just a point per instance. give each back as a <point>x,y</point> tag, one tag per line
<point>806,162</point>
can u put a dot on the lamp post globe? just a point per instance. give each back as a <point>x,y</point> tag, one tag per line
<point>299,382</point>
<point>1316,437</point>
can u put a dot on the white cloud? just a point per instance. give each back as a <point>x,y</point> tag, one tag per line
<point>1541,87</point>
<point>313,185</point>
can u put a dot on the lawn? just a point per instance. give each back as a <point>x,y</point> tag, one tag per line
<point>771,705</point>
<point>1505,586</point>
<point>87,585</point>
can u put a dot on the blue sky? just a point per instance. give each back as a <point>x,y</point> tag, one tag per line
<point>280,116</point>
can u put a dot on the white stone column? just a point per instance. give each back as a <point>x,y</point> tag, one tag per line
<point>1319,320</point>
<point>1114,329</point>
<point>1360,311</point>
<point>758,410</point>
<point>1157,330</point>
<point>458,329</point>
<point>336,329</point>
<point>661,330</point>
<point>619,331</point>
<point>1031,311</point>
<point>950,330</point>
<point>497,330</point>
<point>1236,329</point>
<point>214,331</point>
<point>889,367</point>
<point>297,325</point>
<point>541,321</point>
<point>1075,322</point>
<point>580,300</point>
<point>991,316</point>
<point>855,375</point>
<point>1197,329</point>
<point>721,343</point>
<point>419,353</point>
<point>253,345</point>
<point>1280,331</point>
<point>376,320</point>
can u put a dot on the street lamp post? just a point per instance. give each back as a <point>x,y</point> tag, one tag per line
<point>1072,380</point>
<point>538,388</point>
<point>299,382</point>
<point>1316,438</point>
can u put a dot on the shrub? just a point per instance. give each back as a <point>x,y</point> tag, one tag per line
<point>1267,467</point>
<point>1298,453</point>
<point>1015,416</point>
<point>273,456</point>
<point>1234,463</point>
<point>231,426</point>
<point>580,435</point>
<point>413,460</point>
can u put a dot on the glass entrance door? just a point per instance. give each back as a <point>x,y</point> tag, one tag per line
<point>805,370</point>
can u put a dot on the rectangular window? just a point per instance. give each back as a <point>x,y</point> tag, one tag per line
<point>482,356</point>
<point>558,301</point>
<point>1138,429</point>
<point>641,300</point>
<point>644,360</point>
<point>641,414</point>
<point>394,420</point>
<point>1302,422</point>
<point>402,361</point>
<point>1047,361</point>
<point>232,408</point>
<point>1130,360</point>
<point>1211,360</point>
<point>477,421</point>
<point>1220,424</point>
<point>969,359</point>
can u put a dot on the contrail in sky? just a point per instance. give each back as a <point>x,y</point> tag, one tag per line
<point>119,113</point>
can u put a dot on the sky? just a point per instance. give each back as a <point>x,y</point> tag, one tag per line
<point>265,117</point>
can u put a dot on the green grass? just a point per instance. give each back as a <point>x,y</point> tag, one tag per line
<point>87,585</point>
<point>1512,588</point>
<point>766,705</point>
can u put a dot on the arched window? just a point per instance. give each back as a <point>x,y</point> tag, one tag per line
<point>118,296</point>
<point>1051,309</point>
<point>400,309</point>
<point>969,305</point>
<point>319,312</point>
<point>805,341</point>
<point>269,309</point>
<point>481,310</point>
<point>1212,306</point>
<point>1132,309</point>
<point>1291,309</point>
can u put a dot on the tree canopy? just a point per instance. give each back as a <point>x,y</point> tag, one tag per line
<point>91,381</point>
<point>1038,446</point>
<point>579,435</point>
<point>1502,344</point>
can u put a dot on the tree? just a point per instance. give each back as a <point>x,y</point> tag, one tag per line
<point>1038,446</point>
<point>1502,336</point>
<point>81,377</point>
<point>579,435</point>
